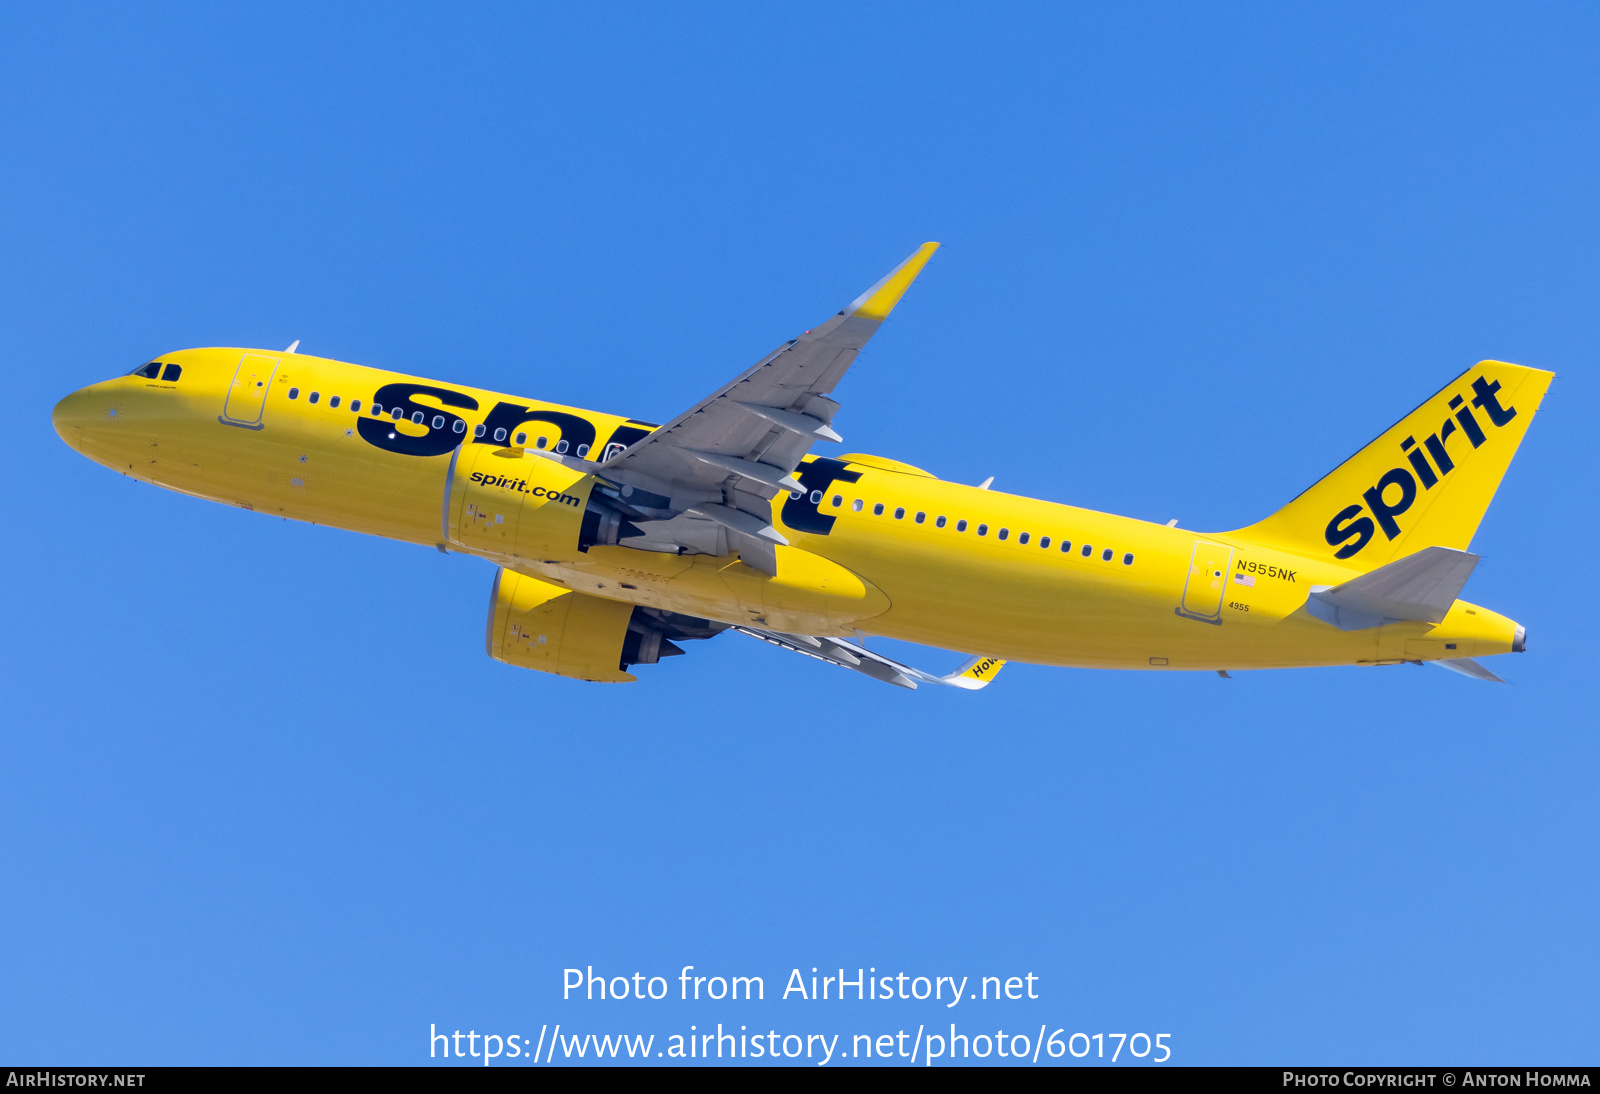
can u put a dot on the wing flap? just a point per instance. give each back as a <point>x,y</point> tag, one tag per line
<point>803,424</point>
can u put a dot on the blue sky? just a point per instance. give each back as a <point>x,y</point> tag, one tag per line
<point>263,799</point>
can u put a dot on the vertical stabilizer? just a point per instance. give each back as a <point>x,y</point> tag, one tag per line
<point>1425,482</point>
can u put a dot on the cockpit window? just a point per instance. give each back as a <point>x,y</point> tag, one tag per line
<point>172,373</point>
<point>148,371</point>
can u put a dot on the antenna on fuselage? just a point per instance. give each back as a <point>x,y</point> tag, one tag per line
<point>984,485</point>
<point>293,346</point>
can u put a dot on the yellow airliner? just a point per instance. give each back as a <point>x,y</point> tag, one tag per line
<point>616,539</point>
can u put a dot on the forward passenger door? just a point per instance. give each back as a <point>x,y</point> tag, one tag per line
<point>247,395</point>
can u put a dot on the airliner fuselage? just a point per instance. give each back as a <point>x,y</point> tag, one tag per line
<point>869,546</point>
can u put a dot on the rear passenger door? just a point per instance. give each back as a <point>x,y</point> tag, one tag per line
<point>1207,581</point>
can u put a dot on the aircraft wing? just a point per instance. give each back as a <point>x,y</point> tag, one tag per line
<point>971,676</point>
<point>706,479</point>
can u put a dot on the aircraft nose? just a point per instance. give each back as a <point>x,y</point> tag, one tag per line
<point>77,412</point>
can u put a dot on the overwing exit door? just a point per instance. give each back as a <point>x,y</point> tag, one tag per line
<point>1207,582</point>
<point>247,395</point>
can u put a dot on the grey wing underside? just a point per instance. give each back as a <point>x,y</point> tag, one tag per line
<point>971,676</point>
<point>705,481</point>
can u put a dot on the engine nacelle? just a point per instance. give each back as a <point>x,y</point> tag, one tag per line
<point>504,502</point>
<point>501,502</point>
<point>534,624</point>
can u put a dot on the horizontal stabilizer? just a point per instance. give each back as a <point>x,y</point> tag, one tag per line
<point>1466,666</point>
<point>971,676</point>
<point>1419,587</point>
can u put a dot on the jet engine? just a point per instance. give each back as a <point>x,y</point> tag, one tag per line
<point>535,624</point>
<point>505,502</point>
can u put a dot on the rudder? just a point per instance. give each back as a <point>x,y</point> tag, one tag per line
<point>1426,481</point>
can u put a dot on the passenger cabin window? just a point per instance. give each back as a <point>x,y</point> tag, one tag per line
<point>921,517</point>
<point>333,403</point>
<point>1022,538</point>
<point>438,421</point>
<point>899,514</point>
<point>816,497</point>
<point>416,417</point>
<point>172,373</point>
<point>583,450</point>
<point>1127,560</point>
<point>499,435</point>
<point>479,430</point>
<point>522,438</point>
<point>939,522</point>
<point>1105,556</point>
<point>1066,545</point>
<point>838,500</point>
<point>961,526</point>
<point>877,510</point>
<point>561,447</point>
<point>397,413</point>
<point>856,505</point>
<point>1044,542</point>
<point>314,396</point>
<point>983,529</point>
<point>541,442</point>
<point>294,393</point>
<point>1004,533</point>
<point>460,426</point>
<point>1087,550</point>
<point>355,406</point>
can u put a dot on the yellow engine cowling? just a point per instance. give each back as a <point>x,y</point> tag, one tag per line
<point>514,506</point>
<point>536,625</point>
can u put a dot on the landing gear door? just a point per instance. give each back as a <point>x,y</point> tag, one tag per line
<point>1207,582</point>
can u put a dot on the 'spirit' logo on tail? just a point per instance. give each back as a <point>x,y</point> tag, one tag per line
<point>1396,490</point>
